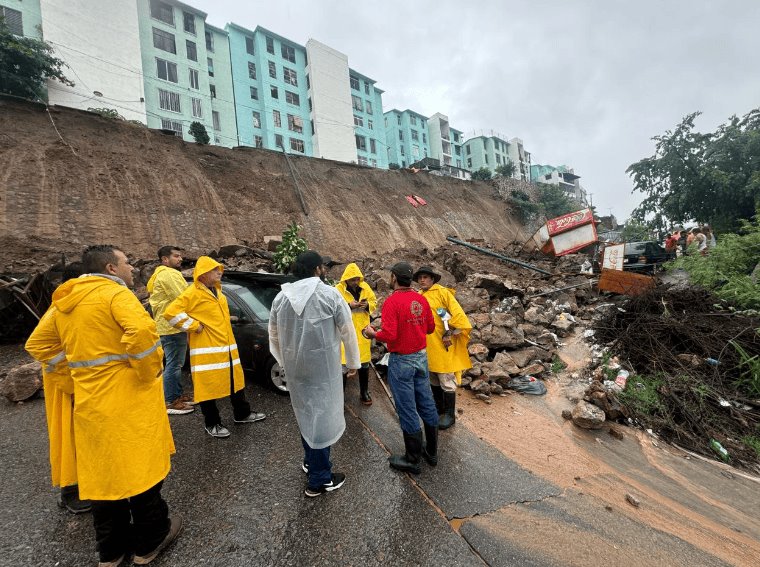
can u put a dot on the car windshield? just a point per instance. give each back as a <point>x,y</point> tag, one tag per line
<point>259,300</point>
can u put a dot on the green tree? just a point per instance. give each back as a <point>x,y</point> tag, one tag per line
<point>554,201</point>
<point>635,231</point>
<point>483,174</point>
<point>526,209</point>
<point>25,65</point>
<point>506,170</point>
<point>198,132</point>
<point>712,177</point>
<point>292,245</point>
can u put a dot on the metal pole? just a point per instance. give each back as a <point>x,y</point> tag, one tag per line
<point>499,256</point>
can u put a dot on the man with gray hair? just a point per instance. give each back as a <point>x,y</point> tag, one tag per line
<point>307,324</point>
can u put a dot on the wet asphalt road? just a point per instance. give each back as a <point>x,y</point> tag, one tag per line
<point>243,504</point>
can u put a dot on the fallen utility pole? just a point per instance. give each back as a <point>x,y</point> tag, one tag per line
<point>297,187</point>
<point>499,256</point>
<point>588,283</point>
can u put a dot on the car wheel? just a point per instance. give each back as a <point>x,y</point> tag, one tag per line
<point>275,377</point>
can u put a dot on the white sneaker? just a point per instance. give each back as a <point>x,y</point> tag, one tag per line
<point>218,431</point>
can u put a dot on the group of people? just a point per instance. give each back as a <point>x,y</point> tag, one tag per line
<point>98,347</point>
<point>680,240</point>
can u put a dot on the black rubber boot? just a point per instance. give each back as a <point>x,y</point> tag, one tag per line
<point>410,462</point>
<point>449,416</point>
<point>437,398</point>
<point>69,499</point>
<point>364,395</point>
<point>430,452</point>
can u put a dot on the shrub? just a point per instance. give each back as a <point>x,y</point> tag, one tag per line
<point>292,245</point>
<point>483,174</point>
<point>198,132</point>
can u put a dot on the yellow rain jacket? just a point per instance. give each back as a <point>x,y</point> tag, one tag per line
<point>59,402</point>
<point>213,350</point>
<point>360,317</point>
<point>164,286</point>
<point>456,358</point>
<point>121,429</point>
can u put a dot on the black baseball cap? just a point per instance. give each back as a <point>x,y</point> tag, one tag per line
<point>402,270</point>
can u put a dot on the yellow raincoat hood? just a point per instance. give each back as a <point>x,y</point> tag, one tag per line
<point>71,293</point>
<point>203,265</point>
<point>360,317</point>
<point>352,271</point>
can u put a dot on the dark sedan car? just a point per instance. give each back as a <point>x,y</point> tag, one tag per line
<point>645,256</point>
<point>250,296</point>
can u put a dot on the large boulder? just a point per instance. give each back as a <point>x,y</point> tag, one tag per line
<point>536,315</point>
<point>22,382</point>
<point>588,416</point>
<point>478,351</point>
<point>473,300</point>
<point>494,336</point>
<point>505,362</point>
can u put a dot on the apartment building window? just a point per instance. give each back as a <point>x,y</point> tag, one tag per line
<point>467,149</point>
<point>162,11</point>
<point>372,146</point>
<point>210,63</point>
<point>416,152</point>
<point>277,118</point>
<point>194,80</point>
<point>209,41</point>
<point>361,142</point>
<point>357,103</point>
<point>197,107</point>
<point>366,87</point>
<point>169,101</point>
<point>401,135</point>
<point>368,107</point>
<point>166,70</point>
<point>458,150</point>
<point>358,121</point>
<point>290,76</point>
<point>296,145</point>
<point>212,90</point>
<point>288,53</point>
<point>256,119</point>
<point>278,141</point>
<point>386,121</point>
<point>484,144</point>
<point>192,52</point>
<point>173,125</point>
<point>373,162</point>
<point>413,120</point>
<point>215,121</point>
<point>292,98</point>
<point>273,92</point>
<point>498,159</point>
<point>249,46</point>
<point>362,160</point>
<point>370,125</point>
<point>415,135</point>
<point>310,107</point>
<point>398,119</point>
<point>164,41</point>
<point>354,82</point>
<point>312,127</point>
<point>254,93</point>
<point>456,137</point>
<point>424,138</point>
<point>252,70</point>
<point>469,162</point>
<point>13,19</point>
<point>272,70</point>
<point>486,157</point>
<point>189,22</point>
<point>401,150</point>
<point>258,141</point>
<point>295,124</point>
<point>270,45</point>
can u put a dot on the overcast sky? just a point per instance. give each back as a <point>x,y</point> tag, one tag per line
<point>585,83</point>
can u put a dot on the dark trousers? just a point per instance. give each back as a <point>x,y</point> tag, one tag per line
<point>240,406</point>
<point>320,466</point>
<point>136,524</point>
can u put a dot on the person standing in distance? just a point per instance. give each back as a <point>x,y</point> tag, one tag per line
<point>123,440</point>
<point>165,285</point>
<point>307,324</point>
<point>406,322</point>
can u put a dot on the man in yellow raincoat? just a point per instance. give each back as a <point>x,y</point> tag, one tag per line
<point>202,311</point>
<point>98,328</point>
<point>164,286</point>
<point>447,346</point>
<point>362,301</point>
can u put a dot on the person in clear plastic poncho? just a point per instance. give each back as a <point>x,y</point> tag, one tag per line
<point>308,322</point>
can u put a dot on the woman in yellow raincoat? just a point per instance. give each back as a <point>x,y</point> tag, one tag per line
<point>447,346</point>
<point>362,301</point>
<point>202,311</point>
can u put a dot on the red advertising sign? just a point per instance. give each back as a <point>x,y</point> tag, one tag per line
<point>568,221</point>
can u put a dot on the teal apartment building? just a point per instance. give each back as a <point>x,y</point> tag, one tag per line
<point>369,129</point>
<point>23,17</point>
<point>494,150</point>
<point>406,137</point>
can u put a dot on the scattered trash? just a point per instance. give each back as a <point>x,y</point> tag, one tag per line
<point>712,361</point>
<point>632,500</point>
<point>622,378</point>
<point>527,385</point>
<point>719,450</point>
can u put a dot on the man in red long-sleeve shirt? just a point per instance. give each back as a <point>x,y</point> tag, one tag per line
<point>407,320</point>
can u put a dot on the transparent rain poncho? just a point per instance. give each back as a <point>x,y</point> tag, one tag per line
<point>308,322</point>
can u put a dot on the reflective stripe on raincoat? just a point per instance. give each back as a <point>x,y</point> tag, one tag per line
<point>164,286</point>
<point>59,401</point>
<point>360,317</point>
<point>121,429</point>
<point>456,358</point>
<point>308,321</point>
<point>213,350</point>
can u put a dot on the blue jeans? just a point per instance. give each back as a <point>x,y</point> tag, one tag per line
<point>318,462</point>
<point>175,349</point>
<point>409,382</point>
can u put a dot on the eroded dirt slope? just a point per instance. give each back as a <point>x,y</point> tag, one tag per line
<point>121,183</point>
